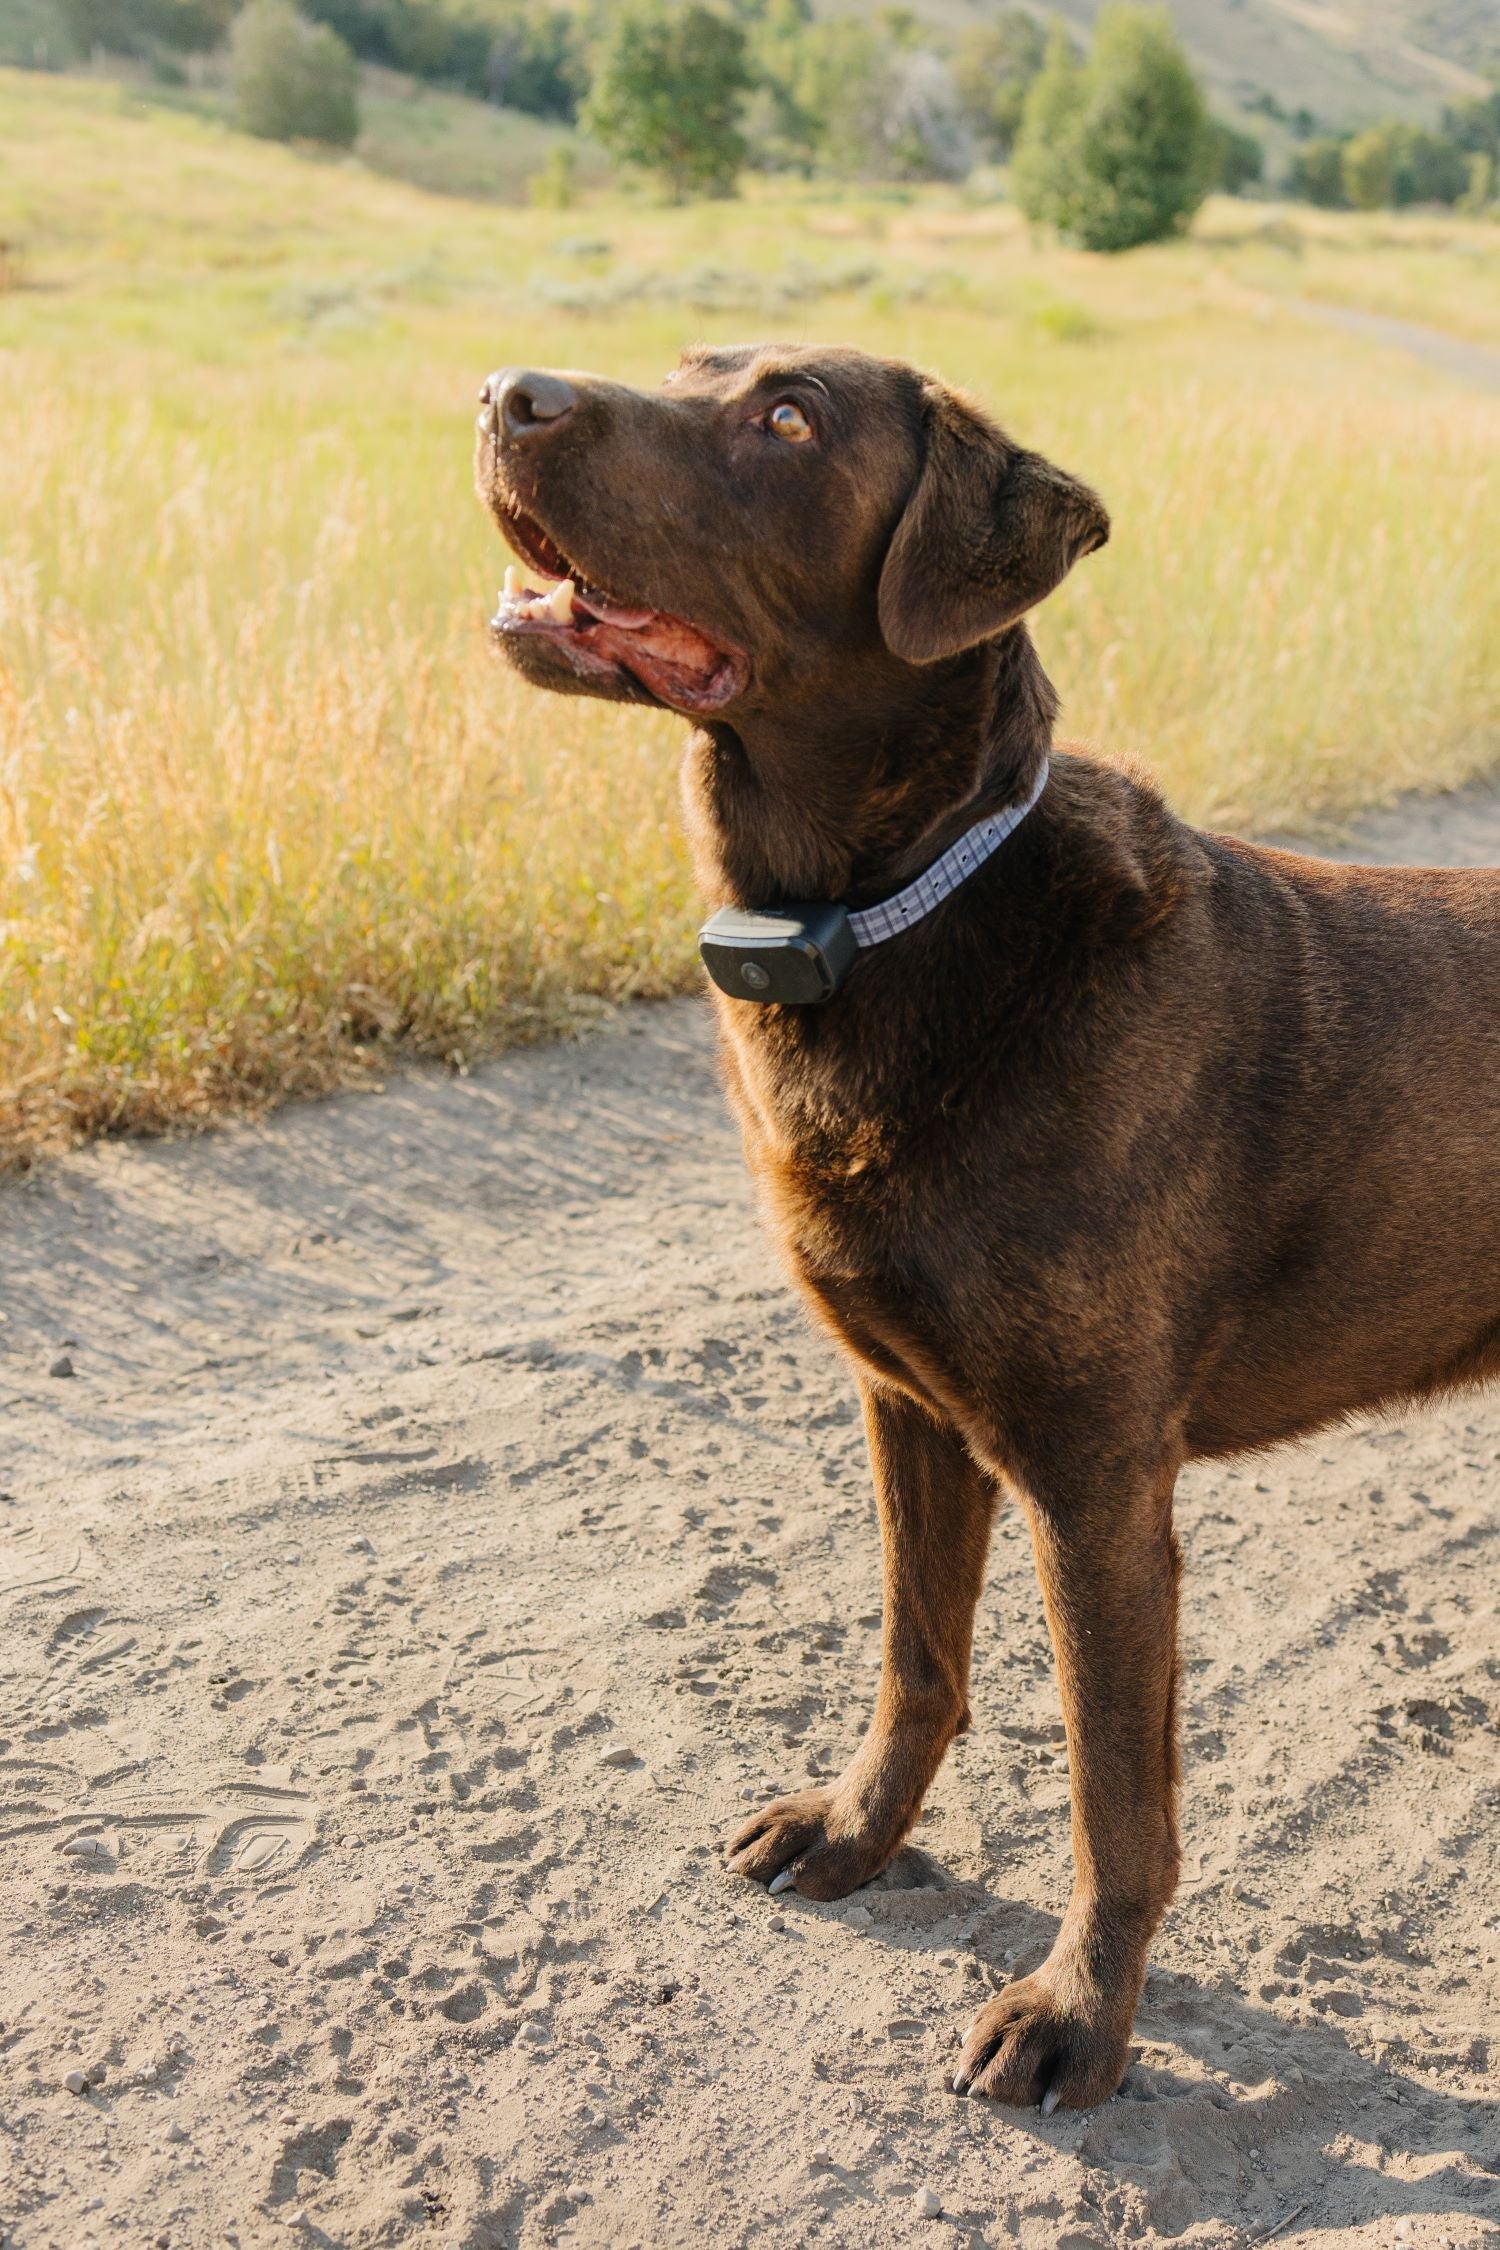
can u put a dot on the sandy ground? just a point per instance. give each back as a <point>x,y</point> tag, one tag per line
<point>449,1526</point>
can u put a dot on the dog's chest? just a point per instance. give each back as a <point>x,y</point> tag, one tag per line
<point>847,1198</point>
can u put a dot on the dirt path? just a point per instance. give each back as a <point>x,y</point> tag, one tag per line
<point>448,1527</point>
<point>1455,355</point>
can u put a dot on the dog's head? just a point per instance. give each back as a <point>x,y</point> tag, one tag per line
<point>774,530</point>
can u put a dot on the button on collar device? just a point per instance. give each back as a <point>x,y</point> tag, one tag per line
<point>799,954</point>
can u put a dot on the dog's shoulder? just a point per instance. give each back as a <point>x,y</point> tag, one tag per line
<point>1115,852</point>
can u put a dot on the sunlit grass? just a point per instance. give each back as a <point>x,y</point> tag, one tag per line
<point>268,809</point>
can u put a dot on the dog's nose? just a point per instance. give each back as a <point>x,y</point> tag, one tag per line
<point>526,403</point>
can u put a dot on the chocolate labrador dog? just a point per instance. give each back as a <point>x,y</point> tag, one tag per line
<point>1111,1146</point>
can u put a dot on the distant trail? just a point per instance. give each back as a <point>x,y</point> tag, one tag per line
<point>1458,828</point>
<point>1472,363</point>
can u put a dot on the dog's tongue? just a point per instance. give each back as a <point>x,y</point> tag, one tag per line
<point>610,613</point>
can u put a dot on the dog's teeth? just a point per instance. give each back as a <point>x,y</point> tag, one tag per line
<point>512,590</point>
<point>783,1881</point>
<point>560,602</point>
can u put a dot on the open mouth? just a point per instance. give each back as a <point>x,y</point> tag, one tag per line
<point>607,641</point>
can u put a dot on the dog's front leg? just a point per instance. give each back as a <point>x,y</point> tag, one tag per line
<point>1108,1563</point>
<point>936,1507</point>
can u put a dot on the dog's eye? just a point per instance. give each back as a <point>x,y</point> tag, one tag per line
<point>788,421</point>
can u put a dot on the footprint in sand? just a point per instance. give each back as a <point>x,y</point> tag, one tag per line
<point>159,1840</point>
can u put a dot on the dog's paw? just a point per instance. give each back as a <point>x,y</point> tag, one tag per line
<point>1028,2047</point>
<point>801,1843</point>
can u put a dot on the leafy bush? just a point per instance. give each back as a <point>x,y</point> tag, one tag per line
<point>1239,158</point>
<point>1392,164</point>
<point>1367,169</point>
<point>293,81</point>
<point>1317,173</point>
<point>1395,164</point>
<point>1474,126</point>
<point>1118,150</point>
<point>1480,192</point>
<point>1430,168</point>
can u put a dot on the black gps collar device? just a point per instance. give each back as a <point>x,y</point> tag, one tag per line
<point>799,954</point>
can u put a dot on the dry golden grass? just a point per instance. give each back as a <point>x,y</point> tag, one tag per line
<point>269,812</point>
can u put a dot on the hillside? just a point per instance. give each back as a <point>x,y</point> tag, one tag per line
<point>1344,60</point>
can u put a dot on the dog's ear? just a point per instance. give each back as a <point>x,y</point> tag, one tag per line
<point>988,532</point>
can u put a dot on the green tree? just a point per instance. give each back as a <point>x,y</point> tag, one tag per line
<point>1393,164</point>
<point>1430,168</point>
<point>993,68</point>
<point>1474,125</point>
<point>1121,151</point>
<point>534,62</point>
<point>668,95</point>
<point>293,81</point>
<point>144,27</point>
<point>1239,158</point>
<point>1480,191</point>
<point>1046,174</point>
<point>1317,173</point>
<point>1368,167</point>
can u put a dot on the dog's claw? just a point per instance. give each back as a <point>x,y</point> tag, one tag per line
<point>1051,2098</point>
<point>783,1881</point>
<point>960,2080</point>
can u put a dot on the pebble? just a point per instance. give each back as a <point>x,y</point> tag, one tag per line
<point>62,1365</point>
<point>176,2132</point>
<point>776,1923</point>
<point>361,1546</point>
<point>622,1755</point>
<point>85,1847</point>
<point>929,2204</point>
<point>75,2082</point>
<point>858,1917</point>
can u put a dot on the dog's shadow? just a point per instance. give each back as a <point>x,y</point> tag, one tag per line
<point>1228,2111</point>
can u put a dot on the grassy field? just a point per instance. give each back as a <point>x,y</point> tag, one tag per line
<point>268,809</point>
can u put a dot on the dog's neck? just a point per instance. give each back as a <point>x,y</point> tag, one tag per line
<point>842,803</point>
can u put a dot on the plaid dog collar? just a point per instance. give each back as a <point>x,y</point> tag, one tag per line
<point>800,954</point>
<point>874,924</point>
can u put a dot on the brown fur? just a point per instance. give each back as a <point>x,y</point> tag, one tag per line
<point>1147,1145</point>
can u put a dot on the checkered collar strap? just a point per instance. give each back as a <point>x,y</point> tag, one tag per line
<point>943,877</point>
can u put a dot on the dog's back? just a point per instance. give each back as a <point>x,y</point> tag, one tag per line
<point>1368,1001</point>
